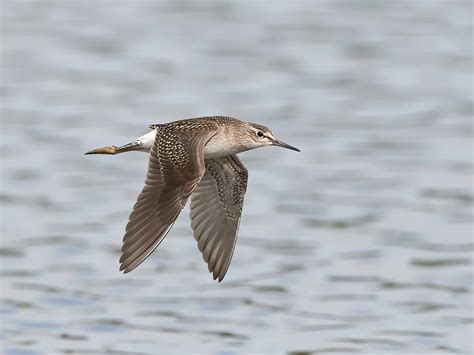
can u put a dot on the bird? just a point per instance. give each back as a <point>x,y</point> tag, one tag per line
<point>194,158</point>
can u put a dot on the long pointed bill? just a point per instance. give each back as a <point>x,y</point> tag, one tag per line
<point>284,145</point>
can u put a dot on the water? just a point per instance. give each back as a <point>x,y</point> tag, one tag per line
<point>360,243</point>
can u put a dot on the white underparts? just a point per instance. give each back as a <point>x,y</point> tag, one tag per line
<point>146,141</point>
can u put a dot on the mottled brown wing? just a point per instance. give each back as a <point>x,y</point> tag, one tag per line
<point>175,167</point>
<point>216,207</point>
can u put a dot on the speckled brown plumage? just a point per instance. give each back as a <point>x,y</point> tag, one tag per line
<point>175,167</point>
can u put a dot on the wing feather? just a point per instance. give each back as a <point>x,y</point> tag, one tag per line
<point>216,208</point>
<point>168,185</point>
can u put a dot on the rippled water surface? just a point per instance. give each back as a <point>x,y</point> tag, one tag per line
<point>361,243</point>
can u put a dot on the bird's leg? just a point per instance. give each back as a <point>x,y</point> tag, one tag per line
<point>142,144</point>
<point>115,150</point>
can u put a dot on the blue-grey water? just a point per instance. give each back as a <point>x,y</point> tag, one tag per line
<point>361,243</point>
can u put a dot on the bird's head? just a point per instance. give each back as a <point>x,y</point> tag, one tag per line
<point>260,136</point>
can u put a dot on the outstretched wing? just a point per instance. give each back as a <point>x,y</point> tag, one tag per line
<point>175,167</point>
<point>216,207</point>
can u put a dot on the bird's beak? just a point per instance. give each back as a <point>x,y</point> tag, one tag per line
<point>284,145</point>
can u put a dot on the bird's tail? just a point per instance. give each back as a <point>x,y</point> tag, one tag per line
<point>116,150</point>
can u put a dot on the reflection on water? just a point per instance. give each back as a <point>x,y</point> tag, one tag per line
<point>360,243</point>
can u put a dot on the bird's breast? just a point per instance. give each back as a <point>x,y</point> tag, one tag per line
<point>220,145</point>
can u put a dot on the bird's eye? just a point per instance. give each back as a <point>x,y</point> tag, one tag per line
<point>260,134</point>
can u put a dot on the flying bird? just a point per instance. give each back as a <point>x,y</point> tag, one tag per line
<point>195,158</point>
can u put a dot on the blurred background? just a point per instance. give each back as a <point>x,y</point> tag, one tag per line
<point>361,243</point>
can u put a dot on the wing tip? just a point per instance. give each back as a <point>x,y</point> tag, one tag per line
<point>123,268</point>
<point>218,277</point>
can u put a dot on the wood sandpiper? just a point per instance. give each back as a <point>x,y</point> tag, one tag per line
<point>193,157</point>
